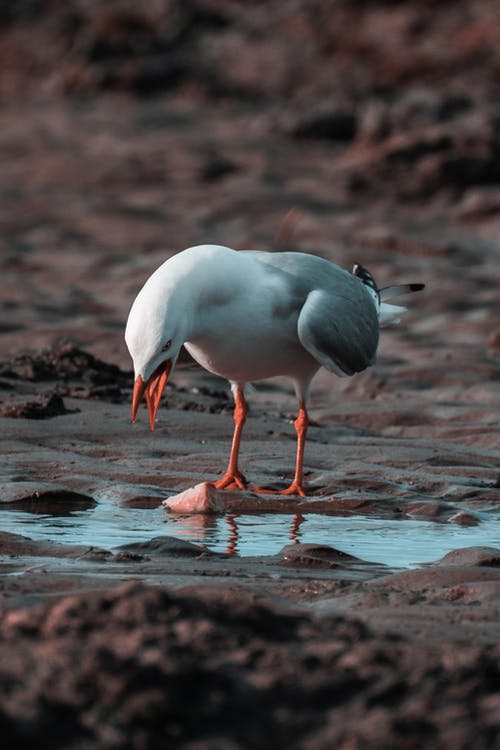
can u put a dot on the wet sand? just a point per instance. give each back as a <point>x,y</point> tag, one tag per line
<point>292,632</point>
<point>166,641</point>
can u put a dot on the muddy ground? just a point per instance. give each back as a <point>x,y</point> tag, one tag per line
<point>364,132</point>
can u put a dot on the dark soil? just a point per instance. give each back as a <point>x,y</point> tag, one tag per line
<point>139,667</point>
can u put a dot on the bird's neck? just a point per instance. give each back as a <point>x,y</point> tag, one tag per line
<point>196,284</point>
<point>201,296</point>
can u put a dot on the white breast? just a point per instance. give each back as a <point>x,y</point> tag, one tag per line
<point>250,338</point>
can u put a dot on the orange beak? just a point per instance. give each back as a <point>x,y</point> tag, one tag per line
<point>153,388</point>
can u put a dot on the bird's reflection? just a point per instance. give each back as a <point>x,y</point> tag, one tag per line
<point>197,527</point>
<point>234,535</point>
<point>233,530</point>
<point>294,534</point>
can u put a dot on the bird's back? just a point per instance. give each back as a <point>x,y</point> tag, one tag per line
<point>338,323</point>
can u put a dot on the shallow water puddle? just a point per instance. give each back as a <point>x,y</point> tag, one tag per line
<point>397,543</point>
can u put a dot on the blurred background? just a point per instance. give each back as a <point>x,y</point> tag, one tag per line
<point>361,130</point>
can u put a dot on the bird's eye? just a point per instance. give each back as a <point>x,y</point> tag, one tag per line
<point>166,346</point>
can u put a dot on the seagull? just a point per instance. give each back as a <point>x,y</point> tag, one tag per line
<point>248,315</point>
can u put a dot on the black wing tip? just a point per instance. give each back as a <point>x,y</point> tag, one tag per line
<point>389,292</point>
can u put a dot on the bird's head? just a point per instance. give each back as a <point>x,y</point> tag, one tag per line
<point>154,336</point>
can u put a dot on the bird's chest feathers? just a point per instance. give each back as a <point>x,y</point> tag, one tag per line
<point>246,341</point>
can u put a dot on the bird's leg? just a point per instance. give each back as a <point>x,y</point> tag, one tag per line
<point>296,488</point>
<point>300,424</point>
<point>233,478</point>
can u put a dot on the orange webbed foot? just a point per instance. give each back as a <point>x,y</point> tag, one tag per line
<point>232,480</point>
<point>294,489</point>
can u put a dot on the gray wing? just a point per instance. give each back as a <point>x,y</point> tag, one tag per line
<point>340,332</point>
<point>338,323</point>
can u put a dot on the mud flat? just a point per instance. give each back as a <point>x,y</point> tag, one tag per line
<point>126,135</point>
<point>118,646</point>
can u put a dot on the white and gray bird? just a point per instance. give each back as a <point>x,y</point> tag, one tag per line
<point>248,315</point>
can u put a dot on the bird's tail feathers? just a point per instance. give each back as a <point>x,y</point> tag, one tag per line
<point>390,313</point>
<point>386,313</point>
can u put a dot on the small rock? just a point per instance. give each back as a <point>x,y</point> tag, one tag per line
<point>464,519</point>
<point>45,407</point>
<point>203,498</point>
<point>131,495</point>
<point>315,556</point>
<point>426,509</point>
<point>28,491</point>
<point>168,546</point>
<point>481,556</point>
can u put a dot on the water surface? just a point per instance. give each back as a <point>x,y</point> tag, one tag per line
<point>399,543</point>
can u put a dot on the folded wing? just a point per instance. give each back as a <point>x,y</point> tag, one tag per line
<point>340,328</point>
